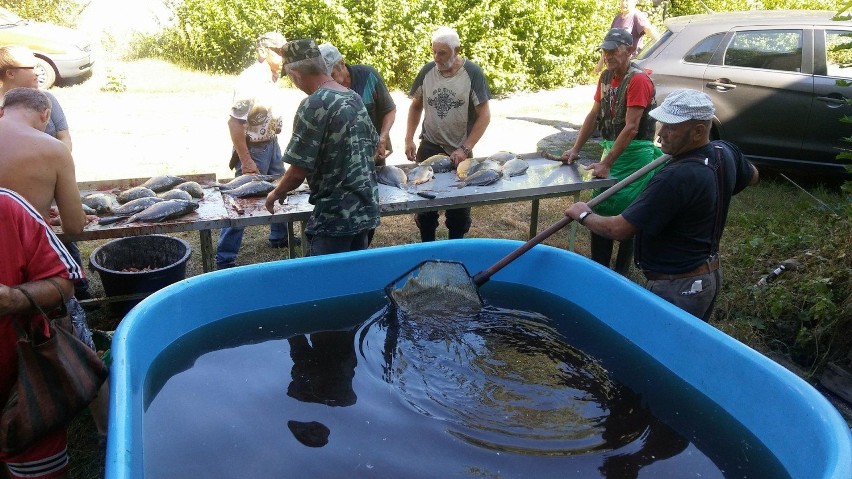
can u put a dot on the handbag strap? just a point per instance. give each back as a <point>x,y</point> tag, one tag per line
<point>20,330</point>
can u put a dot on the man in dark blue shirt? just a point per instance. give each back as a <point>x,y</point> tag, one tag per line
<point>679,218</point>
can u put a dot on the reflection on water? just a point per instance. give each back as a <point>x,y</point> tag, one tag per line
<point>501,393</point>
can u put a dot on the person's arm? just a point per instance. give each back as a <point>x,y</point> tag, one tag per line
<point>414,113</point>
<point>294,177</point>
<point>483,118</point>
<point>65,137</point>
<point>387,123</point>
<point>13,301</point>
<point>66,194</point>
<point>569,156</point>
<point>628,133</point>
<point>237,129</point>
<point>612,227</point>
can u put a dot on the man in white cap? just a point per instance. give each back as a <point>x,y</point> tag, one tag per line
<point>679,218</point>
<point>451,94</point>
<point>623,98</point>
<point>369,84</point>
<point>255,121</point>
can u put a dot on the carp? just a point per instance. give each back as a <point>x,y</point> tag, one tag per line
<point>134,194</point>
<point>515,167</point>
<point>463,170</point>
<point>243,179</point>
<point>100,202</point>
<point>391,175</point>
<point>480,178</point>
<point>420,174</point>
<point>164,210</point>
<point>439,163</point>
<point>191,187</point>
<point>88,209</point>
<point>485,165</point>
<point>135,206</point>
<point>162,183</point>
<point>250,189</point>
<point>175,195</point>
<point>502,157</point>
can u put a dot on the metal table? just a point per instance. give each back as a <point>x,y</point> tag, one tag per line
<point>544,179</point>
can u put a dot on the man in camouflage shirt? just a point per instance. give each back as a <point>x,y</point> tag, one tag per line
<point>333,146</point>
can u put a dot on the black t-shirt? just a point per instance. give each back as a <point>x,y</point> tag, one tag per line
<point>675,216</point>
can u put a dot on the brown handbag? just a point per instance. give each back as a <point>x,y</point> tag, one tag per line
<point>58,376</point>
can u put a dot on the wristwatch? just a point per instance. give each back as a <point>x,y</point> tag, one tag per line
<point>583,216</point>
<point>466,150</point>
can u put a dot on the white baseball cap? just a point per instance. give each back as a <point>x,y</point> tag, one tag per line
<point>330,54</point>
<point>682,105</point>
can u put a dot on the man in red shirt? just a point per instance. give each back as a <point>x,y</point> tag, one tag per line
<point>29,254</point>
<point>624,96</point>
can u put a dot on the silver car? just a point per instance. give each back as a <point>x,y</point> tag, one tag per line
<point>773,77</point>
<point>61,53</point>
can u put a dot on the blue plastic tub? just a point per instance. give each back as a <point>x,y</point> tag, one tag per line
<point>793,420</point>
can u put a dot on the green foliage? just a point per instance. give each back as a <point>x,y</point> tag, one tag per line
<point>678,8</point>
<point>60,12</point>
<point>115,82</point>
<point>805,312</point>
<point>520,45</point>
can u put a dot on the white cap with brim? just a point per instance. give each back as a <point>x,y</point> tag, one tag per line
<point>330,54</point>
<point>683,105</point>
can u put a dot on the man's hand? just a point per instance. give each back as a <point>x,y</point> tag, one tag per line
<point>249,167</point>
<point>410,150</point>
<point>576,209</point>
<point>599,170</point>
<point>458,156</point>
<point>570,156</point>
<point>274,196</point>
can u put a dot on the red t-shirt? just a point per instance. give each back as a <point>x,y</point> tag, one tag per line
<point>29,251</point>
<point>639,92</point>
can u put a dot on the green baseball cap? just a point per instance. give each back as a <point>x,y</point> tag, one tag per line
<point>296,50</point>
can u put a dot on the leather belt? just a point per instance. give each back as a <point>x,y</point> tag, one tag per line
<point>703,268</point>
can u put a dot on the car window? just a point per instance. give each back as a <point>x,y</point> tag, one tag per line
<point>838,46</point>
<point>703,51</point>
<point>766,49</point>
<point>646,52</point>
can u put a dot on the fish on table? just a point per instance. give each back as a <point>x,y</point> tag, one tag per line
<point>439,163</point>
<point>480,178</point>
<point>175,194</point>
<point>502,157</point>
<point>129,209</point>
<point>251,189</point>
<point>485,164</point>
<point>102,203</point>
<point>163,183</point>
<point>243,179</point>
<point>391,175</point>
<point>164,210</point>
<point>515,167</point>
<point>420,174</point>
<point>134,193</point>
<point>192,187</point>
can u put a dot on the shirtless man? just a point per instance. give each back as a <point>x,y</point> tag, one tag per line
<point>34,164</point>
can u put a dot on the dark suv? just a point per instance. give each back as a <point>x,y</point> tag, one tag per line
<point>772,76</point>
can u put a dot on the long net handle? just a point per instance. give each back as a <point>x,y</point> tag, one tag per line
<point>483,276</point>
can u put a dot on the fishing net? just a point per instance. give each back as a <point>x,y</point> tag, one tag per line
<point>435,288</point>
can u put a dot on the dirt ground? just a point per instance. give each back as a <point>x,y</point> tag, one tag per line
<point>170,121</point>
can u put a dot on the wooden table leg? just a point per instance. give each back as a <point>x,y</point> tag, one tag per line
<point>207,251</point>
<point>534,219</point>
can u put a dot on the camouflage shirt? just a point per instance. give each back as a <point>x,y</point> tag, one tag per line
<point>334,140</point>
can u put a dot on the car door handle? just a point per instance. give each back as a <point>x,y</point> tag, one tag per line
<point>834,100</point>
<point>721,84</point>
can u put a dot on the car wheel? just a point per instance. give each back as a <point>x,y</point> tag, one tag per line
<point>46,73</point>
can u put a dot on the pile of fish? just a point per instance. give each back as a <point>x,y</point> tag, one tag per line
<point>248,186</point>
<point>476,172</point>
<point>158,199</point>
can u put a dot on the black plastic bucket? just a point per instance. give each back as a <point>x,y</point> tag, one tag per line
<point>139,264</point>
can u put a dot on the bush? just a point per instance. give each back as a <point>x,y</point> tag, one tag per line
<point>60,12</point>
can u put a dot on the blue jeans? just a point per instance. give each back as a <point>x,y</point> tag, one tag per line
<point>267,156</point>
